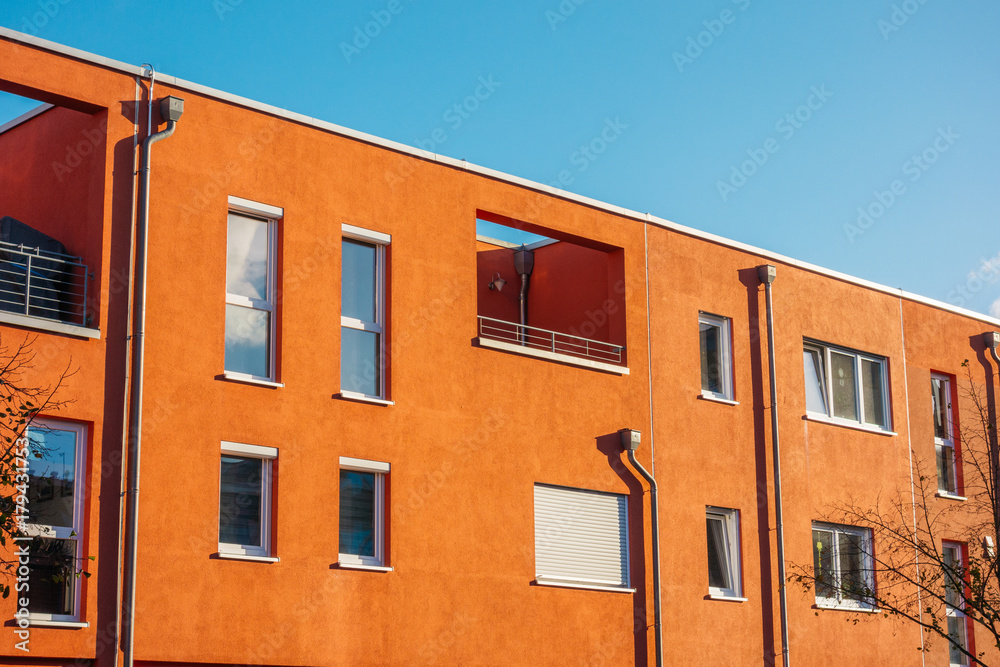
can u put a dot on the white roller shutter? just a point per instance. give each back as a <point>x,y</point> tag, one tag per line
<point>581,537</point>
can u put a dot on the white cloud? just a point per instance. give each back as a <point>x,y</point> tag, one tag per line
<point>995,308</point>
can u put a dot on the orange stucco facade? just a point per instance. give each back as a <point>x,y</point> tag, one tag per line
<point>468,429</point>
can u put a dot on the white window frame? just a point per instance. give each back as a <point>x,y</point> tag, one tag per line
<point>946,445</point>
<point>725,354</point>
<point>563,535</point>
<point>956,549</point>
<point>838,601</point>
<point>380,469</point>
<point>825,350</point>
<point>270,215</point>
<point>74,532</point>
<point>381,241</point>
<point>731,522</point>
<point>267,456</point>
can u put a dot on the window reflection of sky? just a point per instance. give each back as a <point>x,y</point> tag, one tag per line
<point>58,454</point>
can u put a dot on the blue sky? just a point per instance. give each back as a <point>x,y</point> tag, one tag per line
<point>859,135</point>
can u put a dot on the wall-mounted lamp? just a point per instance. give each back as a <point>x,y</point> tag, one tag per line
<point>497,283</point>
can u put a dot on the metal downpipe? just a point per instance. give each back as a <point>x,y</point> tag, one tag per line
<point>629,447</point>
<point>767,275</point>
<point>135,399</point>
<point>992,340</point>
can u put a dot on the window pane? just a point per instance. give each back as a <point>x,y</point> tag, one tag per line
<point>872,389</point>
<point>358,280</point>
<point>815,381</point>
<point>952,577</point>
<point>852,575</point>
<point>52,577</point>
<point>711,351</point>
<point>939,400</point>
<point>51,478</point>
<point>718,554</point>
<point>823,563</point>
<point>946,469</point>
<point>240,501</point>
<point>845,388</point>
<point>246,262</point>
<point>248,341</point>
<point>359,357</point>
<point>956,632</point>
<point>357,513</point>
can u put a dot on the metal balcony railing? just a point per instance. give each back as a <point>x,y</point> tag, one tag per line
<point>551,341</point>
<point>44,284</point>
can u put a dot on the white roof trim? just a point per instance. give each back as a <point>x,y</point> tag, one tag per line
<point>26,116</point>
<point>15,36</point>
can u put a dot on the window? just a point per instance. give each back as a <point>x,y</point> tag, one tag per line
<point>944,438</point>
<point>953,579</point>
<point>250,290</point>
<point>362,513</point>
<point>362,316</point>
<point>245,500</point>
<point>581,538</point>
<point>846,386</point>
<point>842,566</point>
<point>716,356</point>
<point>56,467</point>
<point>723,552</point>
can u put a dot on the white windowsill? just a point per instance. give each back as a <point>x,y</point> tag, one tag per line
<point>362,398</point>
<point>258,559</point>
<point>358,566</point>
<point>846,424</point>
<point>556,583</point>
<point>726,598</point>
<point>840,607</point>
<point>72,625</point>
<point>715,399</point>
<point>551,356</point>
<point>949,496</point>
<point>249,379</point>
<point>49,325</point>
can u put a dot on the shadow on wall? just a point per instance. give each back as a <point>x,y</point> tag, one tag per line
<point>642,621</point>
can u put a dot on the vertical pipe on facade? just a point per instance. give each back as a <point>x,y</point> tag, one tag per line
<point>524,262</point>
<point>128,377</point>
<point>992,340</point>
<point>135,399</point>
<point>767,275</point>
<point>657,627</point>
<point>913,491</point>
